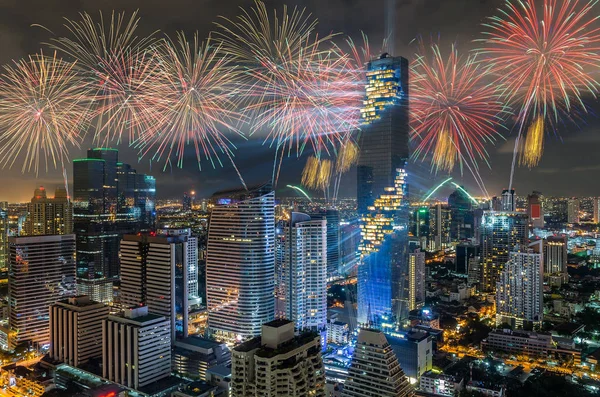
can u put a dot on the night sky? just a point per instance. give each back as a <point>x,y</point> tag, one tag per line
<point>569,167</point>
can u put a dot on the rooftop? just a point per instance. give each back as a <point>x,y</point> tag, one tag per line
<point>280,322</point>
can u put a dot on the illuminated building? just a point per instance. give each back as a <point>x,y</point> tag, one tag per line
<point>76,330</point>
<point>304,272</point>
<point>414,351</point>
<point>519,291</point>
<point>110,199</point>
<point>440,384</point>
<point>374,369</point>
<point>420,227</point>
<point>136,348</point>
<point>555,260</point>
<point>440,218</point>
<point>278,363</point>
<point>508,202</point>
<point>573,210</point>
<point>240,263</point>
<point>4,233</point>
<point>500,233</point>
<point>384,253</point>
<point>160,271</point>
<point>49,215</point>
<point>193,356</point>
<point>187,202</point>
<point>416,280</point>
<point>384,141</point>
<point>535,210</point>
<point>333,240</point>
<point>41,272</point>
<point>596,210</point>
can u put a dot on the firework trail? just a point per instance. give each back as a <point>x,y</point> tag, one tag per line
<point>296,89</point>
<point>44,108</point>
<point>317,174</point>
<point>118,63</point>
<point>542,62</point>
<point>454,113</point>
<point>194,102</point>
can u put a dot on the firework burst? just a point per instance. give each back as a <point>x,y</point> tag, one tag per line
<point>317,173</point>
<point>193,101</point>
<point>542,61</point>
<point>118,63</point>
<point>454,112</point>
<point>44,107</point>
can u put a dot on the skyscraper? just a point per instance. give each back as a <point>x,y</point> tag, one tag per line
<point>374,370</point>
<point>41,272</point>
<point>240,263</point>
<point>304,271</point>
<point>500,233</point>
<point>555,260</point>
<point>49,215</point>
<point>333,240</point>
<point>278,363</point>
<point>461,215</point>
<point>384,252</point>
<point>519,293</point>
<point>596,214</point>
<point>4,233</point>
<point>160,271</point>
<point>109,199</point>
<point>416,279</point>
<point>573,210</point>
<point>508,201</point>
<point>535,210</point>
<point>440,221</point>
<point>384,141</point>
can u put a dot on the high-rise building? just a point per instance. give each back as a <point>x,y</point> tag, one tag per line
<point>49,215</point>
<point>464,253</point>
<point>110,199</point>
<point>573,210</point>
<point>240,263</point>
<point>461,215</point>
<point>420,228</point>
<point>519,291</point>
<point>374,370</point>
<point>596,210</point>
<point>535,210</point>
<point>384,145</point>
<point>500,233</point>
<point>440,222</point>
<point>160,271</point>
<point>555,260</point>
<point>508,200</point>
<point>41,272</point>
<point>384,253</point>
<point>4,233</point>
<point>304,271</point>
<point>136,348</point>
<point>186,202</point>
<point>278,363</point>
<point>76,330</point>
<point>333,240</point>
<point>416,279</point>
<point>414,351</point>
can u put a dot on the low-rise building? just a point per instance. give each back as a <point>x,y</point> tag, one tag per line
<point>193,356</point>
<point>486,389</point>
<point>440,384</point>
<point>338,332</point>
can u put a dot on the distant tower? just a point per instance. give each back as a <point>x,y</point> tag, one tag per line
<point>573,210</point>
<point>49,215</point>
<point>535,210</point>
<point>508,200</point>
<point>374,370</point>
<point>240,263</point>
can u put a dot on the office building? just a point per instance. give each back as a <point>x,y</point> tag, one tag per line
<point>440,222</point>
<point>76,330</point>
<point>440,384</point>
<point>110,199</point>
<point>416,280</point>
<point>385,117</point>
<point>500,233</point>
<point>461,214</point>
<point>136,348</point>
<point>414,351</point>
<point>187,202</point>
<point>304,272</point>
<point>519,291</point>
<point>573,210</point>
<point>555,258</point>
<point>596,210</point>
<point>421,226</point>
<point>160,271</point>
<point>508,201</point>
<point>41,272</point>
<point>4,233</point>
<point>464,253</point>
<point>193,356</point>
<point>535,210</point>
<point>49,215</point>
<point>333,240</point>
<point>374,370</point>
<point>240,263</point>
<point>278,363</point>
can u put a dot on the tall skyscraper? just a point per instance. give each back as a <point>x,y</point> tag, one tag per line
<point>240,263</point>
<point>4,233</point>
<point>304,271</point>
<point>136,348</point>
<point>49,215</point>
<point>461,215</point>
<point>384,142</point>
<point>109,199</point>
<point>278,363</point>
<point>535,210</point>
<point>76,330</point>
<point>41,272</point>
<point>508,201</point>
<point>374,370</point>
<point>440,222</point>
<point>186,202</point>
<point>555,260</point>
<point>596,213</point>
<point>573,210</point>
<point>384,252</point>
<point>519,292</point>
<point>160,271</point>
<point>416,279</point>
<point>333,240</point>
<point>500,233</point>
<point>464,253</point>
